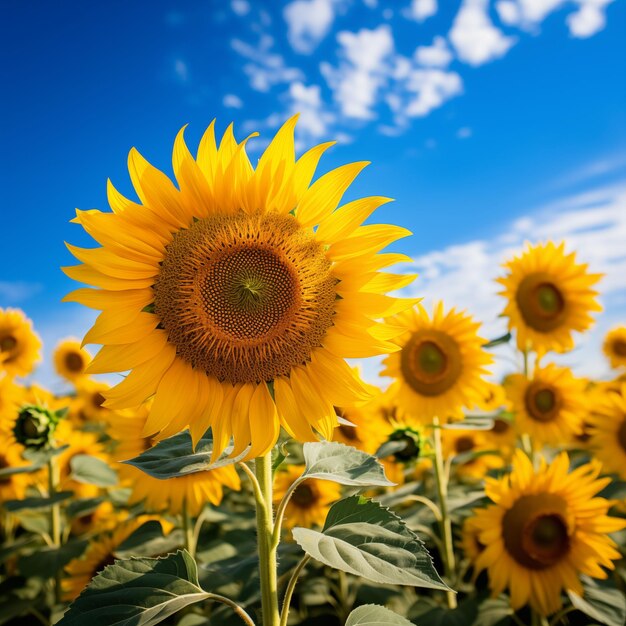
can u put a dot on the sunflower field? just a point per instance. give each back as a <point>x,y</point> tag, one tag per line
<point>240,470</point>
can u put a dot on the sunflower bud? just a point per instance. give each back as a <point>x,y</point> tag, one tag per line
<point>412,440</point>
<point>35,426</point>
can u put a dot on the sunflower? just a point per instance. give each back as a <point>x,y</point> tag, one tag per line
<point>101,517</point>
<point>470,543</point>
<point>614,347</point>
<point>549,406</point>
<point>99,553</point>
<point>13,486</point>
<point>501,436</point>
<point>195,490</point>
<point>494,398</point>
<point>70,359</point>
<point>440,364</point>
<point>472,449</point>
<point>544,530</point>
<point>310,501</point>
<point>88,405</point>
<point>235,298</point>
<point>19,344</point>
<point>549,296</point>
<point>607,430</point>
<point>11,398</point>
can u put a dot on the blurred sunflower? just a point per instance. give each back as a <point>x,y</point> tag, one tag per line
<point>11,398</point>
<point>545,530</point>
<point>88,405</point>
<point>196,490</point>
<point>549,296</point>
<point>70,359</point>
<point>475,453</point>
<point>470,543</point>
<point>494,398</point>
<point>235,298</point>
<point>614,347</point>
<point>13,486</point>
<point>501,436</point>
<point>549,406</point>
<point>102,517</point>
<point>99,554</point>
<point>310,501</point>
<point>19,344</point>
<point>607,431</point>
<point>440,365</point>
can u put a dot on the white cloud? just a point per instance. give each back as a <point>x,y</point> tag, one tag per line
<point>436,55</point>
<point>232,101</point>
<point>240,7</point>
<point>432,88</point>
<point>181,70</point>
<point>314,118</point>
<point>592,224</point>
<point>362,71</point>
<point>12,292</point>
<point>474,37</point>
<point>464,133</point>
<point>421,10</point>
<point>265,68</point>
<point>589,19</point>
<point>308,22</point>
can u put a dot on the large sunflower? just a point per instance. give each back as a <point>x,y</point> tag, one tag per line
<point>614,347</point>
<point>19,344</point>
<point>310,501</point>
<point>70,359</point>
<point>549,296</point>
<point>234,298</point>
<point>440,365</point>
<point>607,430</point>
<point>549,406</point>
<point>193,490</point>
<point>544,530</point>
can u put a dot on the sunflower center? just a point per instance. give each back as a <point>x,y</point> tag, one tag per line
<point>97,399</point>
<point>431,362</point>
<point>619,347</point>
<point>542,402</point>
<point>304,496</point>
<point>74,362</point>
<point>8,343</point>
<point>541,302</point>
<point>464,444</point>
<point>500,426</point>
<point>621,434</point>
<point>245,298</point>
<point>535,530</point>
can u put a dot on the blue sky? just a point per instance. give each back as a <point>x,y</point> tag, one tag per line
<point>488,122</point>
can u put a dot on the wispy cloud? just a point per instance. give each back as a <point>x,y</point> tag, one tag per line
<point>421,10</point>
<point>231,101</point>
<point>308,22</point>
<point>15,292</point>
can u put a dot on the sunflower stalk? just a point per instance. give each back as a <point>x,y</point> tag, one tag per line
<point>265,544</point>
<point>188,528</point>
<point>445,522</point>
<point>55,520</point>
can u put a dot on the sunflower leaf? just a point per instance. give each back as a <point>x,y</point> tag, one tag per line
<point>138,592</point>
<point>343,464</point>
<point>375,615</point>
<point>363,538</point>
<point>498,341</point>
<point>175,456</point>
<point>37,503</point>
<point>92,471</point>
<point>601,602</point>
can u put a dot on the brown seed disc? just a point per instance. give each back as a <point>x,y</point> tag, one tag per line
<point>543,402</point>
<point>74,362</point>
<point>245,298</point>
<point>541,302</point>
<point>431,362</point>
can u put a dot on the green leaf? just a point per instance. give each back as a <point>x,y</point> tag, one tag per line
<point>498,341</point>
<point>493,611</point>
<point>83,506</point>
<point>149,540</point>
<point>365,539</point>
<point>471,422</point>
<point>175,457</point>
<point>375,615</point>
<point>46,562</point>
<point>138,592</point>
<point>92,471</point>
<point>343,464</point>
<point>602,602</point>
<point>37,503</point>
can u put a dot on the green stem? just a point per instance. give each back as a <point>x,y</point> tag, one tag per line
<point>280,511</point>
<point>291,585</point>
<point>190,543</point>
<point>445,522</point>
<point>55,521</point>
<point>266,547</point>
<point>234,606</point>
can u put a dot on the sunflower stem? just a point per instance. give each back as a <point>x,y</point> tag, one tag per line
<point>190,543</point>
<point>265,545</point>
<point>55,521</point>
<point>445,521</point>
<point>291,585</point>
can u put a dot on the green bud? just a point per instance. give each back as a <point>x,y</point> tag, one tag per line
<point>413,444</point>
<point>35,426</point>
